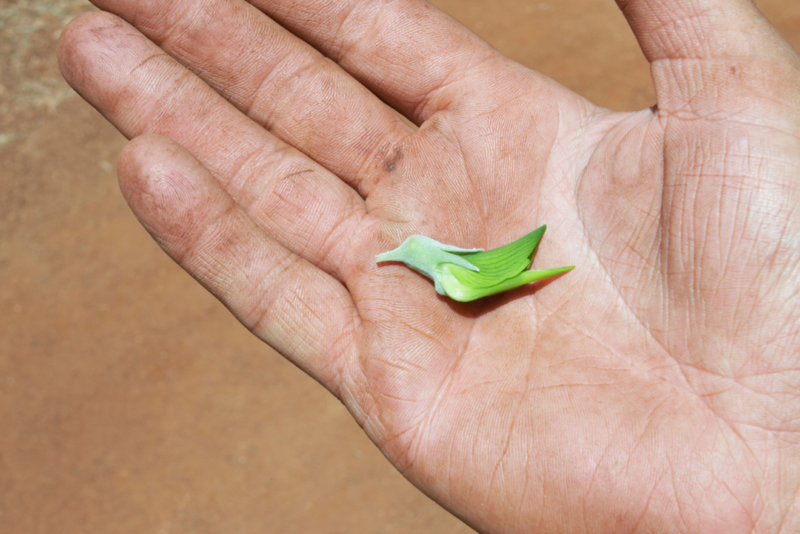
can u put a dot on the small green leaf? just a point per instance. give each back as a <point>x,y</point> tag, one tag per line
<point>469,274</point>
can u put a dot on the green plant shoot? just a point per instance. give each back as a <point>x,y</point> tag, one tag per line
<point>466,274</point>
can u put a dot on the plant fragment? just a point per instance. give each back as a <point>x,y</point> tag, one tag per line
<point>469,274</point>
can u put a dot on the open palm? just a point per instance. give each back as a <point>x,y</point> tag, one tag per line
<point>652,389</point>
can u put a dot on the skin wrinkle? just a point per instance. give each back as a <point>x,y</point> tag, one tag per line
<point>719,480</point>
<point>338,381</point>
<point>735,380</point>
<point>341,237</point>
<point>792,507</point>
<point>162,237</point>
<point>544,492</point>
<point>664,251</point>
<point>344,38</point>
<point>396,398</point>
<point>181,23</point>
<point>741,324</point>
<point>295,86</point>
<point>763,159</point>
<point>266,120</point>
<point>511,427</point>
<point>326,350</point>
<point>192,246</point>
<point>260,314</point>
<point>430,103</point>
<point>416,444</point>
<point>756,94</point>
<point>648,457</point>
<point>426,335</point>
<point>629,365</point>
<point>549,152</point>
<point>99,32</point>
<point>668,26</point>
<point>600,263</point>
<point>291,190</point>
<point>404,367</point>
<point>351,270</point>
<point>676,497</point>
<point>754,279</point>
<point>450,475</point>
<point>176,90</point>
<point>676,78</point>
<point>293,344</point>
<point>447,379</point>
<point>473,186</point>
<point>457,76</point>
<point>521,505</point>
<point>337,51</point>
<point>413,429</point>
<point>742,441</point>
<point>756,506</point>
<point>630,244</point>
<point>598,463</point>
<point>649,424</point>
<point>298,303</point>
<point>368,420</point>
<point>728,244</point>
<point>419,114</point>
<point>146,61</point>
<point>647,502</point>
<point>163,110</point>
<point>497,108</point>
<point>259,53</point>
<point>276,203</point>
<point>234,187</point>
<point>410,444</point>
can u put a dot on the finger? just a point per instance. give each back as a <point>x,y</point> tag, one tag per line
<point>712,56</point>
<point>142,90</point>
<point>414,56</point>
<point>299,310</point>
<point>280,81</point>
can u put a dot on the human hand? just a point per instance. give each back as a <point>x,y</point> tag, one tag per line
<point>653,389</point>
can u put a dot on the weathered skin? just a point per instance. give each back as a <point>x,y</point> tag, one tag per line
<point>654,389</point>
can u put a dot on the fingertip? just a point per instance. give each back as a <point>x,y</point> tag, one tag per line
<point>78,48</point>
<point>165,186</point>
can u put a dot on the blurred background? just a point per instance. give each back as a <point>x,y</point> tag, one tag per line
<point>131,401</point>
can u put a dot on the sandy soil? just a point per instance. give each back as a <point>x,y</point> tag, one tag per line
<point>130,400</point>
